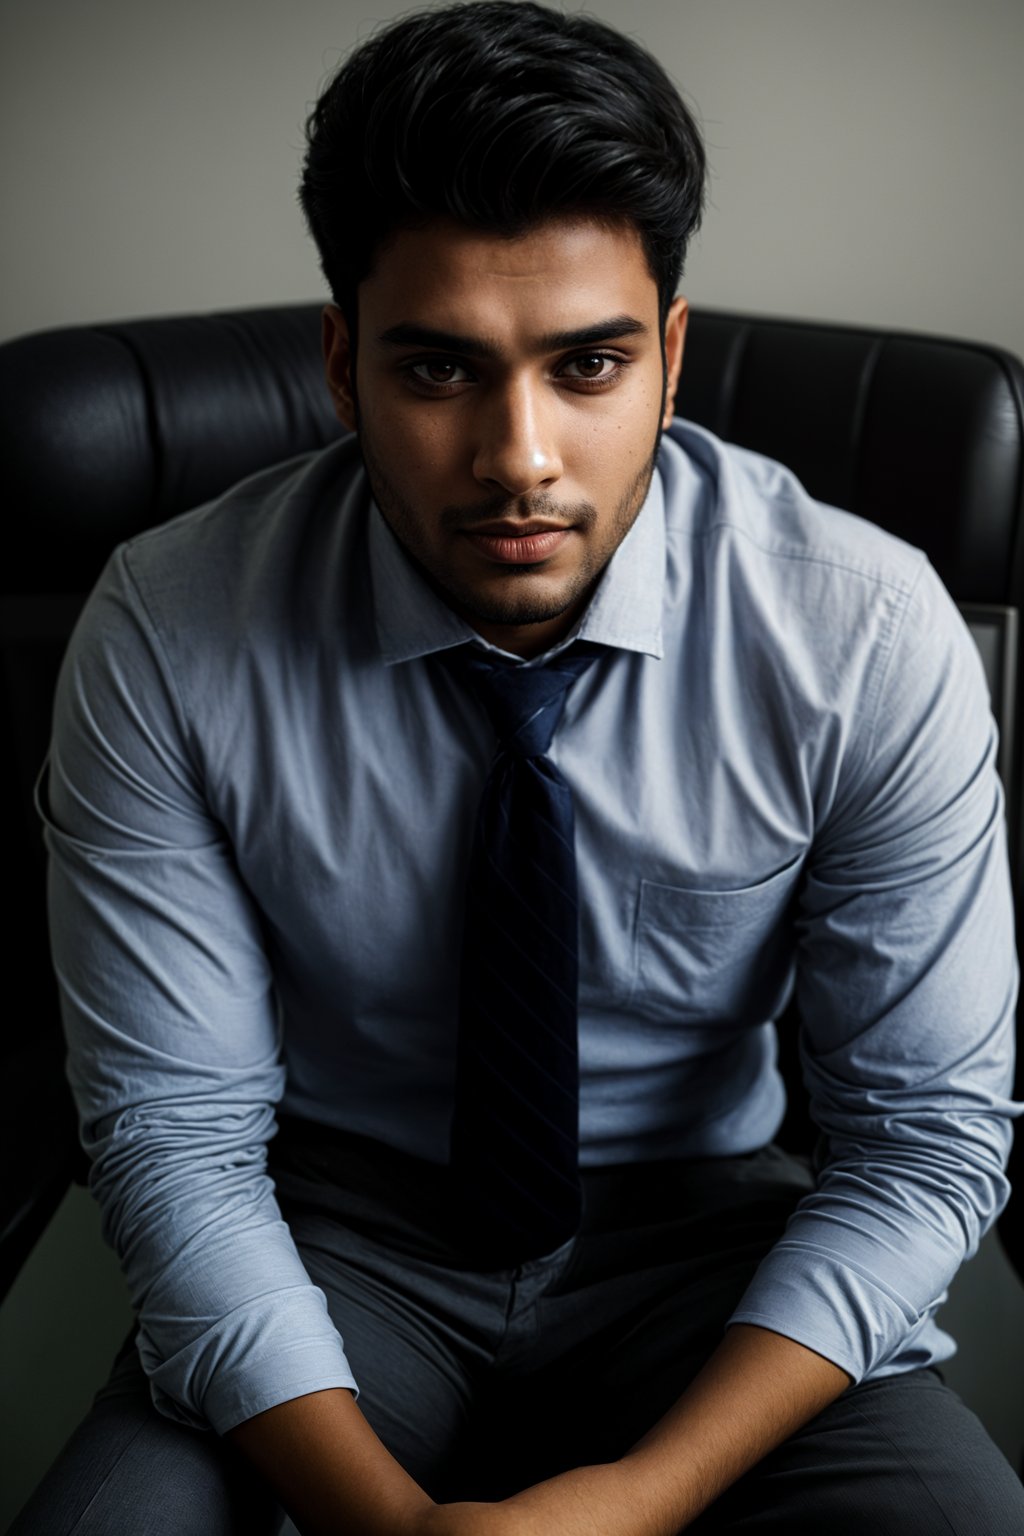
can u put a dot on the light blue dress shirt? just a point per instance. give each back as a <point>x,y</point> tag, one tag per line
<point>261,795</point>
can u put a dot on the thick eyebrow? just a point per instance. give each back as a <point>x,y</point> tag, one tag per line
<point>408,335</point>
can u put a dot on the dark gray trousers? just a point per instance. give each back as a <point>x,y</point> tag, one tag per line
<point>483,1383</point>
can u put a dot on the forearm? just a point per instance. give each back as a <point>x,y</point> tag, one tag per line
<point>755,1391</point>
<point>333,1474</point>
<point>328,1468</point>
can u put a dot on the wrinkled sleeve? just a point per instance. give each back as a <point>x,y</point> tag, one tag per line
<point>172,1033</point>
<point>906,989</point>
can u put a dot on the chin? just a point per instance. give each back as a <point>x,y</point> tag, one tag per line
<point>515,612</point>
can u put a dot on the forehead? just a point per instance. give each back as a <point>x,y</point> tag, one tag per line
<point>562,274</point>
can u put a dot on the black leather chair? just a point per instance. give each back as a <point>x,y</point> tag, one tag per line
<point>109,429</point>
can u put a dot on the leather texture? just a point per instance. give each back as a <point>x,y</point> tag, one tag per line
<point>108,429</point>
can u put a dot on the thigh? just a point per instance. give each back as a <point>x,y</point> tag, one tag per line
<point>900,1456</point>
<point>127,1468</point>
<point>420,1330</point>
<point>660,1266</point>
<point>418,1337</point>
<point>653,1285</point>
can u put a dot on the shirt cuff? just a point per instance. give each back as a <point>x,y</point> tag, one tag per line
<point>836,1308</point>
<point>253,1359</point>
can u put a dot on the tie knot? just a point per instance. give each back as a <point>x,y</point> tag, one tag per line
<point>524,704</point>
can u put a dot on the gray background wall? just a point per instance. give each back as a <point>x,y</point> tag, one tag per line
<point>866,154</point>
<point>866,167</point>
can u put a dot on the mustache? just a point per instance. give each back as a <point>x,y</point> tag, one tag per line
<point>521,509</point>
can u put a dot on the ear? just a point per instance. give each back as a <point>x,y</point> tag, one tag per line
<point>675,335</point>
<point>339,365</point>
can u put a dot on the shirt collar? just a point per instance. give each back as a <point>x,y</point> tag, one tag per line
<point>625,611</point>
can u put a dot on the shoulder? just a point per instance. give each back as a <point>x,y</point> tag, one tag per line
<point>249,549</point>
<point>817,591</point>
<point>757,509</point>
<point>813,616</point>
<point>197,627</point>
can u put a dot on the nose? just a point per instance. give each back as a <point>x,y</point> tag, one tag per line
<point>516,449</point>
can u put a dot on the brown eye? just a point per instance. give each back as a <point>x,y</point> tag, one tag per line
<point>593,368</point>
<point>439,371</point>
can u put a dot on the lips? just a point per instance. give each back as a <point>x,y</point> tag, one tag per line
<point>518,543</point>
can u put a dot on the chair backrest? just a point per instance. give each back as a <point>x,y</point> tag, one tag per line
<point>109,429</point>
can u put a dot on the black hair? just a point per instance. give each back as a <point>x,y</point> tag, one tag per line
<point>499,114</point>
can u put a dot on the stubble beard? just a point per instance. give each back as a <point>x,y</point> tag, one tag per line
<point>521,600</point>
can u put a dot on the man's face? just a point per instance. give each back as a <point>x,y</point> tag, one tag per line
<point>508,396</point>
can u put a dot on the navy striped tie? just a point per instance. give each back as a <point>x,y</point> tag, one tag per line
<point>515,1129</point>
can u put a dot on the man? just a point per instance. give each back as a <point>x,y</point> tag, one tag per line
<point>736,737</point>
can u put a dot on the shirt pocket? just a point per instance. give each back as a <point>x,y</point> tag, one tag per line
<point>715,957</point>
